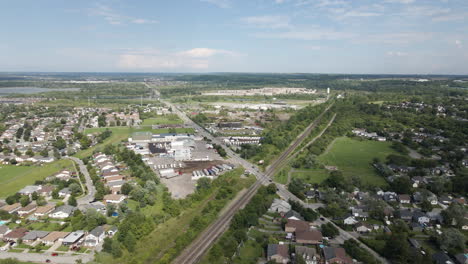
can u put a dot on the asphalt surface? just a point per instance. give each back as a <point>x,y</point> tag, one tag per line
<point>89,197</point>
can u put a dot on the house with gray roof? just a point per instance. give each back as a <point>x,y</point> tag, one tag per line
<point>94,237</point>
<point>73,238</point>
<point>62,212</point>
<point>34,235</point>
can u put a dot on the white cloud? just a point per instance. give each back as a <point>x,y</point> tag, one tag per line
<point>395,38</point>
<point>273,22</point>
<point>219,3</point>
<point>314,47</point>
<point>458,43</point>
<point>151,59</point>
<point>397,54</point>
<point>280,1</point>
<point>114,18</point>
<point>205,52</point>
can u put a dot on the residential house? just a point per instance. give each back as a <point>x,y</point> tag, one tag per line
<point>405,214</point>
<point>42,211</point>
<point>29,190</point>
<point>73,238</point>
<point>404,198</point>
<point>112,231</point>
<point>293,215</point>
<point>414,243</point>
<point>420,217</point>
<point>360,213</point>
<point>4,230</point>
<point>310,237</point>
<point>446,200</point>
<point>390,196</point>
<point>15,234</point>
<point>461,258</point>
<point>278,253</point>
<point>11,208</point>
<point>280,206</point>
<point>46,190</point>
<point>28,209</point>
<point>310,194</point>
<point>114,198</point>
<point>363,228</point>
<point>62,212</point>
<point>33,236</point>
<point>296,226</point>
<point>350,220</point>
<point>336,255</point>
<point>94,237</point>
<point>309,255</point>
<point>54,236</point>
<point>64,192</point>
<point>442,258</point>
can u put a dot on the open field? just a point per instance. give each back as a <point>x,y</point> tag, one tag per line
<point>13,178</point>
<point>168,119</point>
<point>354,157</point>
<point>310,175</point>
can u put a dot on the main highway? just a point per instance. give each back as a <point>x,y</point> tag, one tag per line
<point>195,251</point>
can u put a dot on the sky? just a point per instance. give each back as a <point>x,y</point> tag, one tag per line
<point>307,36</point>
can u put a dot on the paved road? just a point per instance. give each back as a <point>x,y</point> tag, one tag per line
<point>89,197</point>
<point>41,258</point>
<point>193,253</point>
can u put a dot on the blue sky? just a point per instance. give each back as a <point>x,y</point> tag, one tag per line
<point>317,36</point>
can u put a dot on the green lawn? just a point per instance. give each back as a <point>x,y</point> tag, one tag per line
<point>168,119</point>
<point>354,157</point>
<point>311,175</point>
<point>13,178</point>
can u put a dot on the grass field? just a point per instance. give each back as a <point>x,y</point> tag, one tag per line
<point>310,175</point>
<point>354,157</point>
<point>13,178</point>
<point>168,119</point>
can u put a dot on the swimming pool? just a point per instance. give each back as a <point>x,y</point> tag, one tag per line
<point>3,222</point>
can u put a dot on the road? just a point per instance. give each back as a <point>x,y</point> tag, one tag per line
<point>41,258</point>
<point>89,197</point>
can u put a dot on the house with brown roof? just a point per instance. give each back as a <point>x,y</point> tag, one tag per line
<point>404,198</point>
<point>46,190</point>
<point>114,178</point>
<point>296,226</point>
<point>309,237</point>
<point>54,236</point>
<point>11,208</point>
<point>114,198</point>
<point>15,234</point>
<point>42,211</point>
<point>336,255</point>
<point>28,209</point>
<point>278,253</point>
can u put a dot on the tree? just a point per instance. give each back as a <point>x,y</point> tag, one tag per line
<point>203,184</point>
<point>126,188</point>
<point>397,248</point>
<point>24,200</point>
<point>75,188</point>
<point>454,215</point>
<point>34,196</point>
<point>72,201</point>
<point>30,152</point>
<point>107,245</point>
<point>44,153</point>
<point>402,185</point>
<point>426,206</point>
<point>60,143</point>
<point>329,230</point>
<point>452,240</point>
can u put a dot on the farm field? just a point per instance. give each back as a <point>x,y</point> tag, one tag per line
<point>13,178</point>
<point>310,175</point>
<point>354,157</point>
